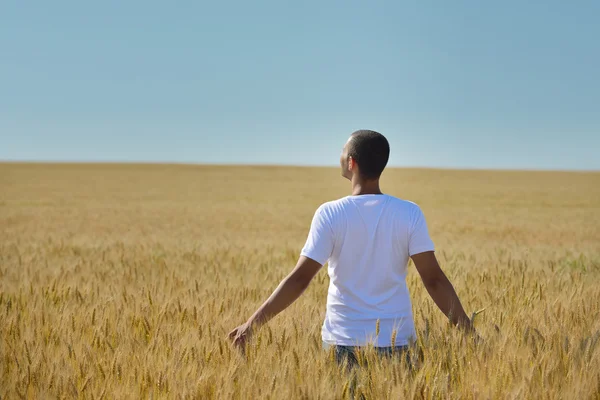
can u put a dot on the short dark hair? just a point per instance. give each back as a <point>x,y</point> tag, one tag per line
<point>371,151</point>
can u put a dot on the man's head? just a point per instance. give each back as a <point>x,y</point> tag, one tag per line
<point>366,154</point>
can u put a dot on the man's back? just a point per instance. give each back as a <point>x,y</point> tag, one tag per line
<point>367,240</point>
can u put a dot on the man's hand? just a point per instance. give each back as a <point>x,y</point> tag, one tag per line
<point>241,335</point>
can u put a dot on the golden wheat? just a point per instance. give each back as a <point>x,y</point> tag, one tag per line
<point>122,281</point>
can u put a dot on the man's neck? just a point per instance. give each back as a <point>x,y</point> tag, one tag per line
<point>360,187</point>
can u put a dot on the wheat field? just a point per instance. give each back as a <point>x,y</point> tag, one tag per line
<point>122,281</point>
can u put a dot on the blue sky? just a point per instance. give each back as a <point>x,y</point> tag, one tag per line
<point>508,84</point>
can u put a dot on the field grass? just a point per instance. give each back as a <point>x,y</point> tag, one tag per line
<point>122,281</point>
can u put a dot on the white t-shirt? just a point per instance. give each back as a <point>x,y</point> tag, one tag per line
<point>367,240</point>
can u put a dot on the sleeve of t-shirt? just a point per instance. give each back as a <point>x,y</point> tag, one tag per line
<point>319,244</point>
<point>418,238</point>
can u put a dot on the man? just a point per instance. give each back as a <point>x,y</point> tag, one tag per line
<point>367,238</point>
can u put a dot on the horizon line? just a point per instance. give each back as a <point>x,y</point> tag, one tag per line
<point>282,165</point>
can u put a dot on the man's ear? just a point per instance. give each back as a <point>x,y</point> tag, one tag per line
<point>351,163</point>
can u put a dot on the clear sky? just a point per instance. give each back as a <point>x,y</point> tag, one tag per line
<point>504,84</point>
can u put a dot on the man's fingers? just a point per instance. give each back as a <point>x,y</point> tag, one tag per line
<point>239,336</point>
<point>239,341</point>
<point>233,333</point>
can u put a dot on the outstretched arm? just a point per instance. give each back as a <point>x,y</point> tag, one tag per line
<point>440,289</point>
<point>290,288</point>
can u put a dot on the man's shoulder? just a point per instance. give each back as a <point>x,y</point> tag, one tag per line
<point>408,204</point>
<point>332,205</point>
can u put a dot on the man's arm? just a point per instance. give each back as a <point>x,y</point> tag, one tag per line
<point>290,288</point>
<point>440,289</point>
